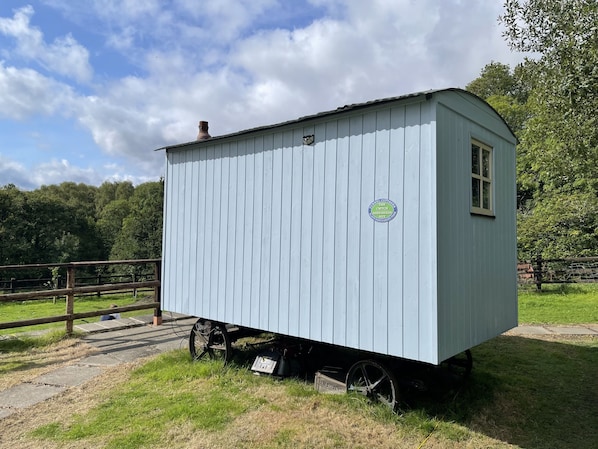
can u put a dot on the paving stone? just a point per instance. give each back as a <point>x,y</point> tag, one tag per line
<point>529,330</point>
<point>144,319</point>
<point>4,412</point>
<point>571,330</point>
<point>117,324</point>
<point>133,353</point>
<point>28,394</point>
<point>100,360</point>
<point>69,376</point>
<point>89,327</point>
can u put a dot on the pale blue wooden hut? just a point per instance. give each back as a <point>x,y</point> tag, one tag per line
<point>387,226</point>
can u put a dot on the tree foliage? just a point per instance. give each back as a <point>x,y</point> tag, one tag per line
<point>72,222</point>
<point>507,91</point>
<point>558,150</point>
<point>141,233</point>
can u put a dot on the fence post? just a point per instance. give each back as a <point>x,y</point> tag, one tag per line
<point>134,280</point>
<point>157,297</point>
<point>538,272</point>
<point>70,297</point>
<point>98,294</point>
<point>13,285</point>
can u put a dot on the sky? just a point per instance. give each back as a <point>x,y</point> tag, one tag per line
<point>89,89</point>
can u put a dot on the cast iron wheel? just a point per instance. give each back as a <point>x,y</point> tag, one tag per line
<point>210,338</point>
<point>373,380</point>
<point>460,365</point>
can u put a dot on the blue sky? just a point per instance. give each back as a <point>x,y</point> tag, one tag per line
<point>89,89</point>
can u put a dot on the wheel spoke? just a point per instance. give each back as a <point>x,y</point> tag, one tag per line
<point>209,338</point>
<point>373,380</point>
<point>374,386</point>
<point>365,377</point>
<point>200,355</point>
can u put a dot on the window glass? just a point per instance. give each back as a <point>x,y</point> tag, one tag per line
<point>486,164</point>
<point>475,192</point>
<point>486,196</point>
<point>475,159</point>
<point>481,179</point>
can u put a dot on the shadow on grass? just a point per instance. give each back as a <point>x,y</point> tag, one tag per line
<point>532,393</point>
<point>25,352</point>
<point>23,342</point>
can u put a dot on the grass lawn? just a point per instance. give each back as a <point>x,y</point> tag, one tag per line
<point>25,310</point>
<point>523,393</point>
<point>533,393</point>
<point>559,304</point>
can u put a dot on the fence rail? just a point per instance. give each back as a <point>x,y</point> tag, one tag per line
<point>15,285</point>
<point>558,271</point>
<point>536,272</point>
<point>71,290</point>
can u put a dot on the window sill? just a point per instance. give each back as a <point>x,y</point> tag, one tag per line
<point>482,212</point>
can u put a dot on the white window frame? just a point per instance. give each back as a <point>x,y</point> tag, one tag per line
<point>482,179</point>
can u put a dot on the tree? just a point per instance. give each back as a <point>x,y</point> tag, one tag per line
<point>64,223</point>
<point>14,247</point>
<point>141,233</point>
<point>77,196</point>
<point>497,79</point>
<point>112,191</point>
<point>507,92</point>
<point>559,225</point>
<point>110,223</point>
<point>560,138</point>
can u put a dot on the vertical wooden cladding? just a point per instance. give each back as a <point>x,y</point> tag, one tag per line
<point>265,232</point>
<point>477,290</point>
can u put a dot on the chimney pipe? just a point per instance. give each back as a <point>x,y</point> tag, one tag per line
<point>203,131</point>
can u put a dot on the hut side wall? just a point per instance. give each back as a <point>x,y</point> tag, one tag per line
<point>477,284</point>
<point>265,232</point>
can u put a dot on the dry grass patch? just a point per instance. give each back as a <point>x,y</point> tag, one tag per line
<point>23,366</point>
<point>76,401</point>
<point>523,393</point>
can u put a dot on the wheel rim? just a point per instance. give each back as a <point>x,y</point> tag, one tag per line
<point>374,381</point>
<point>209,339</point>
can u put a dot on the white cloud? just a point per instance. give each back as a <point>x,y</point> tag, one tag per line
<point>12,172</point>
<point>57,171</point>
<point>64,56</point>
<point>365,51</point>
<point>226,20</point>
<point>24,93</point>
<point>229,63</point>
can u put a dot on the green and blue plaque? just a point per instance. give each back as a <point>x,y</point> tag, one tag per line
<point>382,210</point>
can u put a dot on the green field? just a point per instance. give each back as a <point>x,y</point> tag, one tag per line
<point>26,310</point>
<point>555,304</point>
<point>523,393</point>
<point>559,304</point>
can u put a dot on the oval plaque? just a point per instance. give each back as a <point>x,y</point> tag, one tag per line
<point>382,210</point>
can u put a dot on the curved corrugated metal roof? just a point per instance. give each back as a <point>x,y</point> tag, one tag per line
<point>351,107</point>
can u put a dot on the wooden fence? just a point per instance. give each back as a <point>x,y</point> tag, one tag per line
<point>72,289</point>
<point>558,271</point>
<point>537,272</point>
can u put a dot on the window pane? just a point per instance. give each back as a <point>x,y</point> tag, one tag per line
<point>486,164</point>
<point>475,159</point>
<point>486,196</point>
<point>475,192</point>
